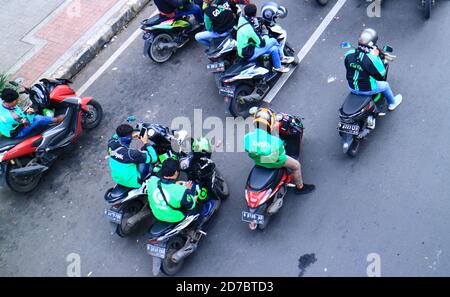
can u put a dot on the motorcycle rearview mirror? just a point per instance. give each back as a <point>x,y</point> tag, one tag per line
<point>388,49</point>
<point>282,12</point>
<point>346,44</point>
<point>253,110</point>
<point>13,83</point>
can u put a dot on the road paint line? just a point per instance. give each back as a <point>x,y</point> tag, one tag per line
<point>306,49</point>
<point>112,59</point>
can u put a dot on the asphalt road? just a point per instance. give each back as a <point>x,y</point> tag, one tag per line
<point>392,199</point>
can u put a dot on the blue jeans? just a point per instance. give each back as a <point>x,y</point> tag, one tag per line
<point>38,121</point>
<point>193,9</point>
<point>272,47</point>
<point>206,36</point>
<point>382,87</point>
<point>144,170</point>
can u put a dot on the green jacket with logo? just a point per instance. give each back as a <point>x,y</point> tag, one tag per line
<point>123,162</point>
<point>10,120</point>
<point>265,149</point>
<point>176,195</point>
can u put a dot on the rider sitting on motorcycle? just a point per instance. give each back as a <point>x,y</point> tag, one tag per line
<point>219,20</point>
<point>14,123</point>
<point>171,200</point>
<point>251,45</point>
<point>366,71</point>
<point>129,167</point>
<point>179,8</point>
<point>267,150</point>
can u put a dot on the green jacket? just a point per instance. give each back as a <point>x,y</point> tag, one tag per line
<point>265,149</point>
<point>123,162</point>
<point>176,195</point>
<point>247,38</point>
<point>10,119</point>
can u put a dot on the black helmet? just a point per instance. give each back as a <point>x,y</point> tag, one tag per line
<point>368,37</point>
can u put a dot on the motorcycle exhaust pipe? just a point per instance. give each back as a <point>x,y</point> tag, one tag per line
<point>167,45</point>
<point>141,215</point>
<point>187,250</point>
<point>28,171</point>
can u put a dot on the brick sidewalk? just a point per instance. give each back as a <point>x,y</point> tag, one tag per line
<point>61,33</point>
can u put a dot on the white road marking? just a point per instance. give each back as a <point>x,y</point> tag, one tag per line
<point>306,49</point>
<point>111,60</point>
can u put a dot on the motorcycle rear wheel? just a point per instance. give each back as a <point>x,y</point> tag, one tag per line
<point>236,108</point>
<point>21,184</point>
<point>160,55</point>
<point>428,5</point>
<point>322,2</point>
<point>353,149</point>
<point>129,211</point>
<point>168,267</point>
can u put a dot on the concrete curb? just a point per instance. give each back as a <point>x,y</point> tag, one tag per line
<point>82,56</point>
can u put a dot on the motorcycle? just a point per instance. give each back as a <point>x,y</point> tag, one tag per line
<point>128,207</point>
<point>170,243</point>
<point>245,84</point>
<point>266,188</point>
<point>358,114</point>
<point>164,35</point>
<point>24,160</point>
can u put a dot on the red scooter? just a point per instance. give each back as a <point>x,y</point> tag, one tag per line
<point>266,188</point>
<point>24,160</point>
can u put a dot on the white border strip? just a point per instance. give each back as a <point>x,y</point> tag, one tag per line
<point>306,49</point>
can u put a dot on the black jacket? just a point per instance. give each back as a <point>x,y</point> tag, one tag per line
<point>222,15</point>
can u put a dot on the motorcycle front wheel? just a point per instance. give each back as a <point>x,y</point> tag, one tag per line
<point>237,108</point>
<point>156,53</point>
<point>91,119</point>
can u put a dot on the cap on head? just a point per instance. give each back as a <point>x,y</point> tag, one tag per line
<point>169,168</point>
<point>9,95</point>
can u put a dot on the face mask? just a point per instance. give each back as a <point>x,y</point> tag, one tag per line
<point>125,140</point>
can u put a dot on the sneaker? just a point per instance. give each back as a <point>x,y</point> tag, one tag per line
<point>398,100</point>
<point>305,190</point>
<point>287,60</point>
<point>282,69</point>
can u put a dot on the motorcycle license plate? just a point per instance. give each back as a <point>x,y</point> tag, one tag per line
<point>226,91</point>
<point>216,67</point>
<point>250,217</point>
<point>113,216</point>
<point>156,250</point>
<point>349,128</point>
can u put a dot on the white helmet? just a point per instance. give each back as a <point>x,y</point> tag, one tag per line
<point>272,10</point>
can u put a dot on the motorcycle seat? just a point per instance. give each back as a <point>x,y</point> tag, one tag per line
<point>159,228</point>
<point>7,143</point>
<point>238,68</point>
<point>155,20</point>
<point>117,193</point>
<point>215,43</point>
<point>261,178</point>
<point>354,103</point>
